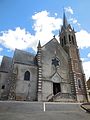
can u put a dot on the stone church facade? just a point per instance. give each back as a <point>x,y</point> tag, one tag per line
<point>55,73</point>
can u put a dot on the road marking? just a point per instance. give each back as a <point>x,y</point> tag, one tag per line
<point>44,109</point>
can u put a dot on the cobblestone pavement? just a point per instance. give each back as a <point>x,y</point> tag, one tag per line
<point>41,111</point>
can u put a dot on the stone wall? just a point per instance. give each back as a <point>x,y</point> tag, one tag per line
<point>3,82</point>
<point>26,90</point>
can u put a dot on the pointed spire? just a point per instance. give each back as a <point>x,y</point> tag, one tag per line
<point>65,23</point>
<point>39,44</point>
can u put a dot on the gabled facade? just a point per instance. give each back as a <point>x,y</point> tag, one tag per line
<point>55,73</point>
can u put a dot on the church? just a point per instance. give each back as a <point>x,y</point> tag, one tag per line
<point>55,73</point>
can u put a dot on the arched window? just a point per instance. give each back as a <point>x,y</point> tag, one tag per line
<point>79,83</point>
<point>27,76</point>
<point>70,39</point>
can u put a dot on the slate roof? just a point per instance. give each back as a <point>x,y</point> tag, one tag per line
<point>6,64</point>
<point>23,57</point>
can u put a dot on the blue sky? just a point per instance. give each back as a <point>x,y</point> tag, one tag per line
<point>24,22</point>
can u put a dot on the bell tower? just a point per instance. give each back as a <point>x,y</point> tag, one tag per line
<point>77,77</point>
<point>67,35</point>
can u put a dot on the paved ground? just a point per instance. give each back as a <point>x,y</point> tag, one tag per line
<point>41,111</point>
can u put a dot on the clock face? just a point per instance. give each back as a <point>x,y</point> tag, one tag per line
<point>55,62</point>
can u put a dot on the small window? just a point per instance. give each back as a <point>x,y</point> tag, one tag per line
<point>79,83</point>
<point>27,76</point>
<point>3,86</point>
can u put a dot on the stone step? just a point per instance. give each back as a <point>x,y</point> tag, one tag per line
<point>62,97</point>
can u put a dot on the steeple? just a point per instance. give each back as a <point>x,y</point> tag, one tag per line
<point>67,34</point>
<point>39,44</point>
<point>65,23</point>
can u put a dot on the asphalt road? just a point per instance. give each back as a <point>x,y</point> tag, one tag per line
<point>11,110</point>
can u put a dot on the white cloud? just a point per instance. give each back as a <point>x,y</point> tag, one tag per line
<point>83,39</point>
<point>88,55</point>
<point>45,23</point>
<point>83,59</point>
<point>86,69</point>
<point>1,49</point>
<point>73,20</point>
<point>69,10</point>
<point>56,14</point>
<point>86,65</point>
<point>44,26</point>
<point>18,38</point>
